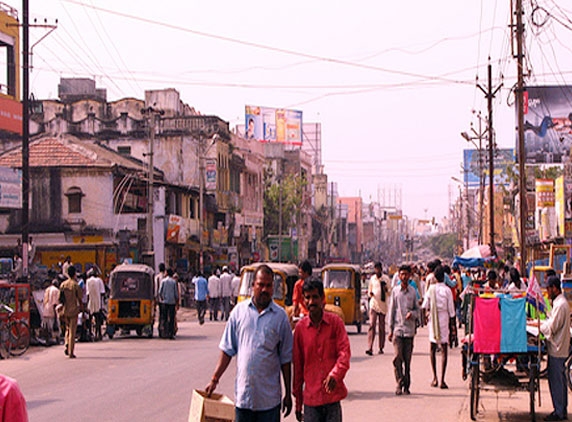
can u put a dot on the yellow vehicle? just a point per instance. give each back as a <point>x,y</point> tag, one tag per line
<point>285,276</point>
<point>564,270</point>
<point>131,303</point>
<point>342,286</point>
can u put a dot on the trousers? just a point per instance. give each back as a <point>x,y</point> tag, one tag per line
<point>402,362</point>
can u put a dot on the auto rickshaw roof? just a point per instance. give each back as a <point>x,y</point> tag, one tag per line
<point>141,268</point>
<point>288,269</point>
<point>341,266</point>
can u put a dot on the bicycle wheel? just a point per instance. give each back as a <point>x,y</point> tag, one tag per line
<point>475,378</point>
<point>19,338</point>
<point>568,366</point>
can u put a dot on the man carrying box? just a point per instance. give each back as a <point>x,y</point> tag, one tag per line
<point>258,333</point>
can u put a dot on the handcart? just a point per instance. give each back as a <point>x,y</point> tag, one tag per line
<point>498,355</point>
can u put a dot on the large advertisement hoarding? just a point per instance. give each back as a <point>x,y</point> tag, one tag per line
<point>547,123</point>
<point>476,163</point>
<point>279,125</point>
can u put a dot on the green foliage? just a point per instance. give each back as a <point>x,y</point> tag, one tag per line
<point>291,187</point>
<point>443,245</point>
<point>547,173</point>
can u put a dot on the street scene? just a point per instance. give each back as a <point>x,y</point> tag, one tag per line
<point>308,211</point>
<point>141,379</point>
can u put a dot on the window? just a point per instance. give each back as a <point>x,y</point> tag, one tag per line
<point>125,150</point>
<point>74,195</point>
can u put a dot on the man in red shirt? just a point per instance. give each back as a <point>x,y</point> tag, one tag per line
<point>321,357</point>
<point>304,272</point>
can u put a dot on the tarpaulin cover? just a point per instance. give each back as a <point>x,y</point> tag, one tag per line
<point>469,262</point>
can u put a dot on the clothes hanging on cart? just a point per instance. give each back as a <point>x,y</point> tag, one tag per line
<point>500,325</point>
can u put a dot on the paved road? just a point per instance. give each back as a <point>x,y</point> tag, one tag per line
<point>127,379</point>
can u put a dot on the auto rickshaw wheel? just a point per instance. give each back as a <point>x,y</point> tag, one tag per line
<point>139,331</point>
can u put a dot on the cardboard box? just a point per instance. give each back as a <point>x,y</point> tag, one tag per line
<point>216,408</point>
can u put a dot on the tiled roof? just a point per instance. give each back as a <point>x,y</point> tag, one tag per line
<point>68,152</point>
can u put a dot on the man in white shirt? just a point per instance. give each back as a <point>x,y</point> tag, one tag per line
<point>95,299</point>
<point>439,302</point>
<point>378,293</point>
<point>51,300</point>
<point>226,292</point>
<point>556,329</point>
<point>214,296</point>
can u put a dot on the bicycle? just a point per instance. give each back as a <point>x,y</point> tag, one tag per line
<point>14,334</point>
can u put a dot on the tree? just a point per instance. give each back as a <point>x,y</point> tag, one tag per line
<point>291,187</point>
<point>443,245</point>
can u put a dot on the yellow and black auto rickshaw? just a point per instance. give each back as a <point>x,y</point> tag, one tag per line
<point>131,303</point>
<point>285,276</point>
<point>342,286</point>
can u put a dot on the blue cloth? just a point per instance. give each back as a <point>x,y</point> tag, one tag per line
<point>466,280</point>
<point>169,292</point>
<point>513,325</point>
<point>557,385</point>
<point>451,282</point>
<point>262,343</point>
<point>201,288</point>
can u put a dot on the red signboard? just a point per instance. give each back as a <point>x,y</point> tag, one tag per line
<point>10,115</point>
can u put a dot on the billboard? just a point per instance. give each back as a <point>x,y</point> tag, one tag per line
<point>210,174</point>
<point>278,125</point>
<point>476,163</point>
<point>10,115</point>
<point>547,123</point>
<point>10,188</point>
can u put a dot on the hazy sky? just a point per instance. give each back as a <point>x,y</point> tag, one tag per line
<point>393,83</point>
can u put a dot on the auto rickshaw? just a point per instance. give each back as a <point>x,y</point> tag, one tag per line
<point>131,303</point>
<point>285,276</point>
<point>342,286</point>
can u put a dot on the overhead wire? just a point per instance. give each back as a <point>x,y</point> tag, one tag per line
<point>257,45</point>
<point>110,42</point>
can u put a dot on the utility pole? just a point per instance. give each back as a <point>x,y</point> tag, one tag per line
<point>521,152</point>
<point>153,114</point>
<point>26,132</point>
<point>25,135</point>
<point>489,95</point>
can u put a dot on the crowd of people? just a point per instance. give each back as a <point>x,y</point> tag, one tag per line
<point>317,353</point>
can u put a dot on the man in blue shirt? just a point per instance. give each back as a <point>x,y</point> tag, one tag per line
<point>201,293</point>
<point>259,334</point>
<point>169,299</point>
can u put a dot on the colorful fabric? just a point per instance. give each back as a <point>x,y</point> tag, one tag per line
<point>513,325</point>
<point>487,325</point>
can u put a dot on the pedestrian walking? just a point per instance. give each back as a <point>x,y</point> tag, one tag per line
<point>226,292</point>
<point>378,292</point>
<point>201,295</point>
<point>403,316</point>
<point>51,300</point>
<point>169,299</point>
<point>440,305</point>
<point>258,333</point>
<point>95,301</point>
<point>71,299</point>
<point>321,358</point>
<point>214,297</point>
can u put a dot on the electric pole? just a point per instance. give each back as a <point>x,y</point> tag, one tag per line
<point>521,152</point>
<point>489,95</point>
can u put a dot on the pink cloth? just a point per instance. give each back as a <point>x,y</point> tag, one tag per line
<point>487,325</point>
<point>12,402</point>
